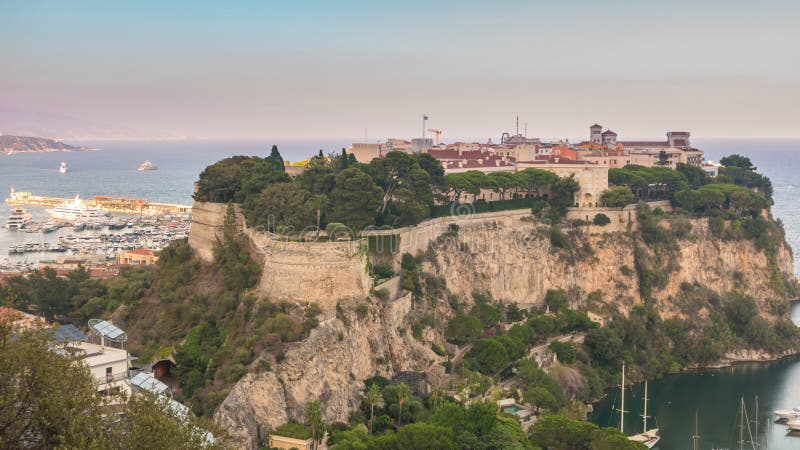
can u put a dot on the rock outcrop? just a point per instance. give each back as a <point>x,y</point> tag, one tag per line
<point>507,254</point>
<point>329,366</point>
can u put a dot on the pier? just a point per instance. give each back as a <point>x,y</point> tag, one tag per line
<point>117,205</point>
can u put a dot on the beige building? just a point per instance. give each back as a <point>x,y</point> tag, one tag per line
<point>593,178</point>
<point>287,443</point>
<point>138,256</point>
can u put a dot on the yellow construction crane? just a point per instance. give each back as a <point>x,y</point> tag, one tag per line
<point>436,132</point>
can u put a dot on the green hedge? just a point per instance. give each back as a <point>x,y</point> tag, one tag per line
<point>465,209</point>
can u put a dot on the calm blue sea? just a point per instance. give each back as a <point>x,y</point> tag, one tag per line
<point>112,170</point>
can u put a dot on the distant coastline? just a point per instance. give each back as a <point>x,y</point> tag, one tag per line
<point>10,144</point>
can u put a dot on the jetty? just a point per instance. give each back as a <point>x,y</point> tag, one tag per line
<point>117,205</point>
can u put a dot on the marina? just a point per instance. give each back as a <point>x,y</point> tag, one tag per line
<point>106,239</point>
<point>111,204</point>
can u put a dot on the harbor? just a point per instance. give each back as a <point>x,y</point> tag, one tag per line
<point>112,204</point>
<point>716,395</point>
<point>109,239</point>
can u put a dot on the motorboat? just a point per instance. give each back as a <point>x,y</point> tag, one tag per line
<point>788,414</point>
<point>794,424</point>
<point>63,167</point>
<point>147,165</point>
<point>49,227</point>
<point>18,219</point>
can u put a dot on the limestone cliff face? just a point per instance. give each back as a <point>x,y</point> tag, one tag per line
<point>329,366</point>
<point>505,253</point>
<point>518,264</point>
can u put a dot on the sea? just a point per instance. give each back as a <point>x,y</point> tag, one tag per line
<point>111,169</point>
<point>716,395</point>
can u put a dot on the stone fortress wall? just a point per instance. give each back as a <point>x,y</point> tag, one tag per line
<point>325,272</point>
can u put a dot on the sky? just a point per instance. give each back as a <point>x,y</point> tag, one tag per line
<point>325,69</point>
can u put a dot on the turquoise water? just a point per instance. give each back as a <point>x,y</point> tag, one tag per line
<point>512,409</point>
<point>716,396</point>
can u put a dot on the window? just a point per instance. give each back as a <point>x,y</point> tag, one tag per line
<point>109,375</point>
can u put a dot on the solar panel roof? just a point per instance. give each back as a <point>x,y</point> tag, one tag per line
<point>68,333</point>
<point>149,383</point>
<point>108,329</point>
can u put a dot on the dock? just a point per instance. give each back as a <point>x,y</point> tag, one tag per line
<point>116,205</point>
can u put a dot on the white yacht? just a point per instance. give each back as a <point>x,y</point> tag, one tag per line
<point>648,437</point>
<point>18,219</point>
<point>147,165</point>
<point>63,167</point>
<point>794,425</point>
<point>77,210</point>
<point>49,227</point>
<point>787,414</point>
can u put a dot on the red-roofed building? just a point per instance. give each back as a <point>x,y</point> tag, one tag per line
<point>20,321</point>
<point>138,256</point>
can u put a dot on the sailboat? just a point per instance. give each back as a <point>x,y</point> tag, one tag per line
<point>648,437</point>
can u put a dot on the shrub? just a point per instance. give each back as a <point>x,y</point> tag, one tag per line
<point>381,271</point>
<point>462,329</point>
<point>557,238</point>
<point>381,294</point>
<point>556,299</point>
<point>601,219</point>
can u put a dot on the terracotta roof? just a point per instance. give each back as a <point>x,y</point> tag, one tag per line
<point>645,143</point>
<point>140,251</point>
<point>544,159</point>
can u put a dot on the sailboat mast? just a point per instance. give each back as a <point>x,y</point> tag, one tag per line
<point>622,405</point>
<point>644,416</point>
<point>696,436</point>
<point>756,438</point>
<point>741,427</point>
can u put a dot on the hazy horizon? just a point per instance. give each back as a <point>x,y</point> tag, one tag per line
<point>318,70</point>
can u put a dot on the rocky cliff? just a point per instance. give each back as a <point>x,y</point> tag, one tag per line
<point>342,351</point>
<point>508,254</point>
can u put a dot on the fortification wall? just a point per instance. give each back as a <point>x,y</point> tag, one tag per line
<point>318,272</point>
<point>326,272</point>
<point>208,220</point>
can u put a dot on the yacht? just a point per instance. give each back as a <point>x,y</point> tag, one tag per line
<point>788,414</point>
<point>794,425</point>
<point>77,210</point>
<point>147,165</point>
<point>18,219</point>
<point>63,167</point>
<point>49,227</point>
<point>649,437</point>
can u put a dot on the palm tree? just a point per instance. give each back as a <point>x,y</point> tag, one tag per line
<point>373,396</point>
<point>314,420</point>
<point>437,398</point>
<point>403,394</point>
